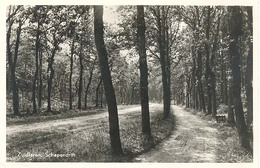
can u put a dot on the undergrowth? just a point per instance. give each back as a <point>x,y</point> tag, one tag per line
<point>229,150</point>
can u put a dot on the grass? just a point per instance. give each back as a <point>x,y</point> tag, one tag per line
<point>90,146</point>
<point>229,150</point>
<point>230,145</point>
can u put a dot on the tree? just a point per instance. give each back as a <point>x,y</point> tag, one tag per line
<point>106,77</point>
<point>91,69</point>
<point>13,55</point>
<point>249,70</point>
<point>143,72</point>
<point>208,68</point>
<point>165,35</point>
<point>235,30</point>
<point>97,92</point>
<point>72,50</point>
<point>39,17</point>
<point>193,17</point>
<point>80,74</point>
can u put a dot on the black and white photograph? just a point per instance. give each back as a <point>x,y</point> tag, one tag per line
<point>130,83</point>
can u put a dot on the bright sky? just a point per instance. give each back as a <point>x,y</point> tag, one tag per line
<point>110,15</point>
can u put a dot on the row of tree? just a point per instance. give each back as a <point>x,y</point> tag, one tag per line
<point>219,69</point>
<point>200,56</point>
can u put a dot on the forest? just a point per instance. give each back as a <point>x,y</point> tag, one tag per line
<point>72,61</point>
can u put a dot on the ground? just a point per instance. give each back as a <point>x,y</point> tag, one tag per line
<point>194,138</point>
<point>75,123</point>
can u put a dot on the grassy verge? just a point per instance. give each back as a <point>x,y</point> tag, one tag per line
<point>90,146</point>
<point>230,145</point>
<point>229,149</point>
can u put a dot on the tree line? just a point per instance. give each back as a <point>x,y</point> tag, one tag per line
<point>199,56</point>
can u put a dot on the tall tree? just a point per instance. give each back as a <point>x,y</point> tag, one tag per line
<point>97,92</point>
<point>208,68</point>
<point>231,117</point>
<point>235,30</point>
<point>80,74</point>
<point>13,55</point>
<point>249,70</point>
<point>164,41</point>
<point>72,50</point>
<point>38,16</point>
<point>91,69</point>
<point>106,77</point>
<point>143,71</point>
<point>57,32</point>
<point>194,17</point>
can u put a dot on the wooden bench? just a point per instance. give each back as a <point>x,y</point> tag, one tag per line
<point>220,118</point>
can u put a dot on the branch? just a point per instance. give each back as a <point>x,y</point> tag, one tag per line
<point>155,55</point>
<point>174,36</point>
<point>14,13</point>
<point>154,12</point>
<point>177,63</point>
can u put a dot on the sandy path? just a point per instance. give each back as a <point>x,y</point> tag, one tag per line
<point>79,122</point>
<point>194,140</point>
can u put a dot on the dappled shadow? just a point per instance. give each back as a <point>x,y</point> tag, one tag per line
<point>194,140</point>
<point>230,150</point>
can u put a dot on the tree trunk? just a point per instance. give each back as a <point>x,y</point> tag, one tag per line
<point>231,117</point>
<point>40,81</point>
<point>89,83</point>
<point>200,88</point>
<point>15,93</point>
<point>80,77</point>
<point>235,28</point>
<point>108,86</point>
<point>188,92</point>
<point>37,42</point>
<point>193,84</point>
<point>249,71</point>
<point>146,130</point>
<point>162,51</point>
<point>208,69</point>
<point>51,72</point>
<point>12,63</point>
<point>71,72</point>
<point>213,91</point>
<point>97,91</point>
<point>224,92</point>
<point>101,95</point>
<point>212,64</point>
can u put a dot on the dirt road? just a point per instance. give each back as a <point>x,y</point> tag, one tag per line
<point>90,121</point>
<point>194,140</point>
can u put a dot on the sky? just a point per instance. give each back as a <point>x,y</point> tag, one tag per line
<point>110,15</point>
